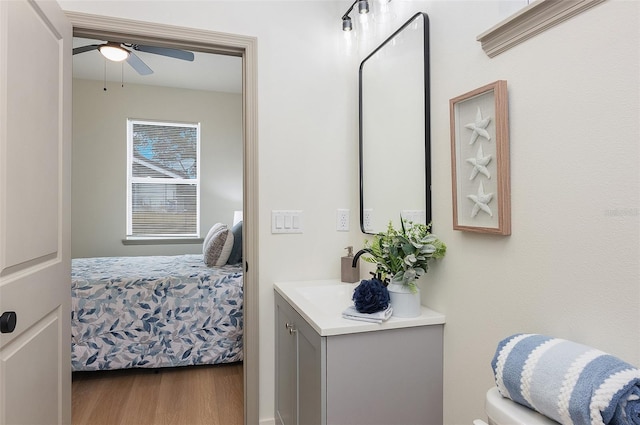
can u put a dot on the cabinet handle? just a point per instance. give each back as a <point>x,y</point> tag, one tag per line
<point>290,328</point>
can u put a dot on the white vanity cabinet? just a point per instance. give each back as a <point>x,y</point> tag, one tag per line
<point>338,371</point>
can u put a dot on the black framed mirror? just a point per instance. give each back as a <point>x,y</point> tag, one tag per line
<point>395,127</point>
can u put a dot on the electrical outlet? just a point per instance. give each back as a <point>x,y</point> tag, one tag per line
<point>415,216</point>
<point>342,220</point>
<point>367,219</point>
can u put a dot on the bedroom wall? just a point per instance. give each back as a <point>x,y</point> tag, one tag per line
<point>571,267</point>
<point>99,160</point>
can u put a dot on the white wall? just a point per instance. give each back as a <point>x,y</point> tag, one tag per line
<point>571,266</point>
<point>100,152</point>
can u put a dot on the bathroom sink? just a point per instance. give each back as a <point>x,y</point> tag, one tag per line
<point>326,293</point>
<point>321,303</point>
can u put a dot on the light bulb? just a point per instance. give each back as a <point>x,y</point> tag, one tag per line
<point>113,52</point>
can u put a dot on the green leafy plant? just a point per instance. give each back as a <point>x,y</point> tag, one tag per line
<point>403,254</point>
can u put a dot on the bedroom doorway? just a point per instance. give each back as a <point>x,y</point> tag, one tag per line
<point>99,27</point>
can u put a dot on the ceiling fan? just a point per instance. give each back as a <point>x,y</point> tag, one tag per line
<point>118,52</point>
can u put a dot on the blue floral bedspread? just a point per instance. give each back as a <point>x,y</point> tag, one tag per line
<point>160,311</point>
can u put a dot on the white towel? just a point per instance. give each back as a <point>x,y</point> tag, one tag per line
<point>352,314</point>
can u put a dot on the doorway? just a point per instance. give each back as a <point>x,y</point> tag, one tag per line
<point>100,27</point>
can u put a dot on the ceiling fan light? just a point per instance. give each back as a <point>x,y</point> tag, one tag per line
<point>113,52</point>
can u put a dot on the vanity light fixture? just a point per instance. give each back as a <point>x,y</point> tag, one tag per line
<point>363,7</point>
<point>346,23</point>
<point>114,52</point>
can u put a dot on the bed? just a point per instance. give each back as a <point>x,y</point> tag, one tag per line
<point>154,311</point>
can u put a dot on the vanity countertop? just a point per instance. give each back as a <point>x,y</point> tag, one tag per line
<point>321,303</point>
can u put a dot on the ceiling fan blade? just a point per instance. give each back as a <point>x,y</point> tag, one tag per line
<point>165,51</point>
<point>83,49</point>
<point>137,64</point>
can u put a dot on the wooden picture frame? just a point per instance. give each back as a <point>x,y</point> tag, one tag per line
<point>480,160</point>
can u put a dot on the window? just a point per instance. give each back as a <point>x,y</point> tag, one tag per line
<point>163,180</point>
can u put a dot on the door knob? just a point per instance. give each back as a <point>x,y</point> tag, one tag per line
<point>8,322</point>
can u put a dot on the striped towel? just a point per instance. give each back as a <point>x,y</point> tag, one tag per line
<point>568,382</point>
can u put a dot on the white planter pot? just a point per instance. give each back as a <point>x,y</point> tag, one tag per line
<point>404,302</point>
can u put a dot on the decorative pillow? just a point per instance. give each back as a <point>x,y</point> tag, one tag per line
<point>236,252</point>
<point>215,228</point>
<point>218,245</point>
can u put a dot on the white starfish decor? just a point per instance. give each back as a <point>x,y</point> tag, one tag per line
<point>479,164</point>
<point>481,200</point>
<point>478,127</point>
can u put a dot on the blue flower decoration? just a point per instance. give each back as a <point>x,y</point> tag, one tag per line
<point>371,296</point>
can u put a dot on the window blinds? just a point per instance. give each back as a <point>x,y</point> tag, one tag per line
<point>163,190</point>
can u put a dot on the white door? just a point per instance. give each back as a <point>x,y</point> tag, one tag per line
<point>35,154</point>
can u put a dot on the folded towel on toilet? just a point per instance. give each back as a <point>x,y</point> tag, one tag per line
<point>569,382</point>
<point>352,314</point>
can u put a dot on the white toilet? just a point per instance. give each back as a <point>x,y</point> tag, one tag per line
<point>502,411</point>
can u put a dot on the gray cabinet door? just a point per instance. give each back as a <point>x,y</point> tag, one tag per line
<point>286,365</point>
<point>385,377</point>
<point>311,366</point>
<point>300,366</point>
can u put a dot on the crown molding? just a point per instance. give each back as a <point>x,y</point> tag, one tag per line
<point>530,21</point>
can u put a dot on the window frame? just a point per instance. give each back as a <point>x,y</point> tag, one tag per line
<point>131,180</point>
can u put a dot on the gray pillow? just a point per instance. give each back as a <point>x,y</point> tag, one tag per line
<point>236,252</point>
<point>218,245</point>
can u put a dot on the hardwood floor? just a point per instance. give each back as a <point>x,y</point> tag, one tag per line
<point>207,395</point>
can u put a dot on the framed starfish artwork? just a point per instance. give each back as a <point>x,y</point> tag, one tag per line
<point>480,160</point>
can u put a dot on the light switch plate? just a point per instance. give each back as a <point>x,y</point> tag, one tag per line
<point>286,221</point>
